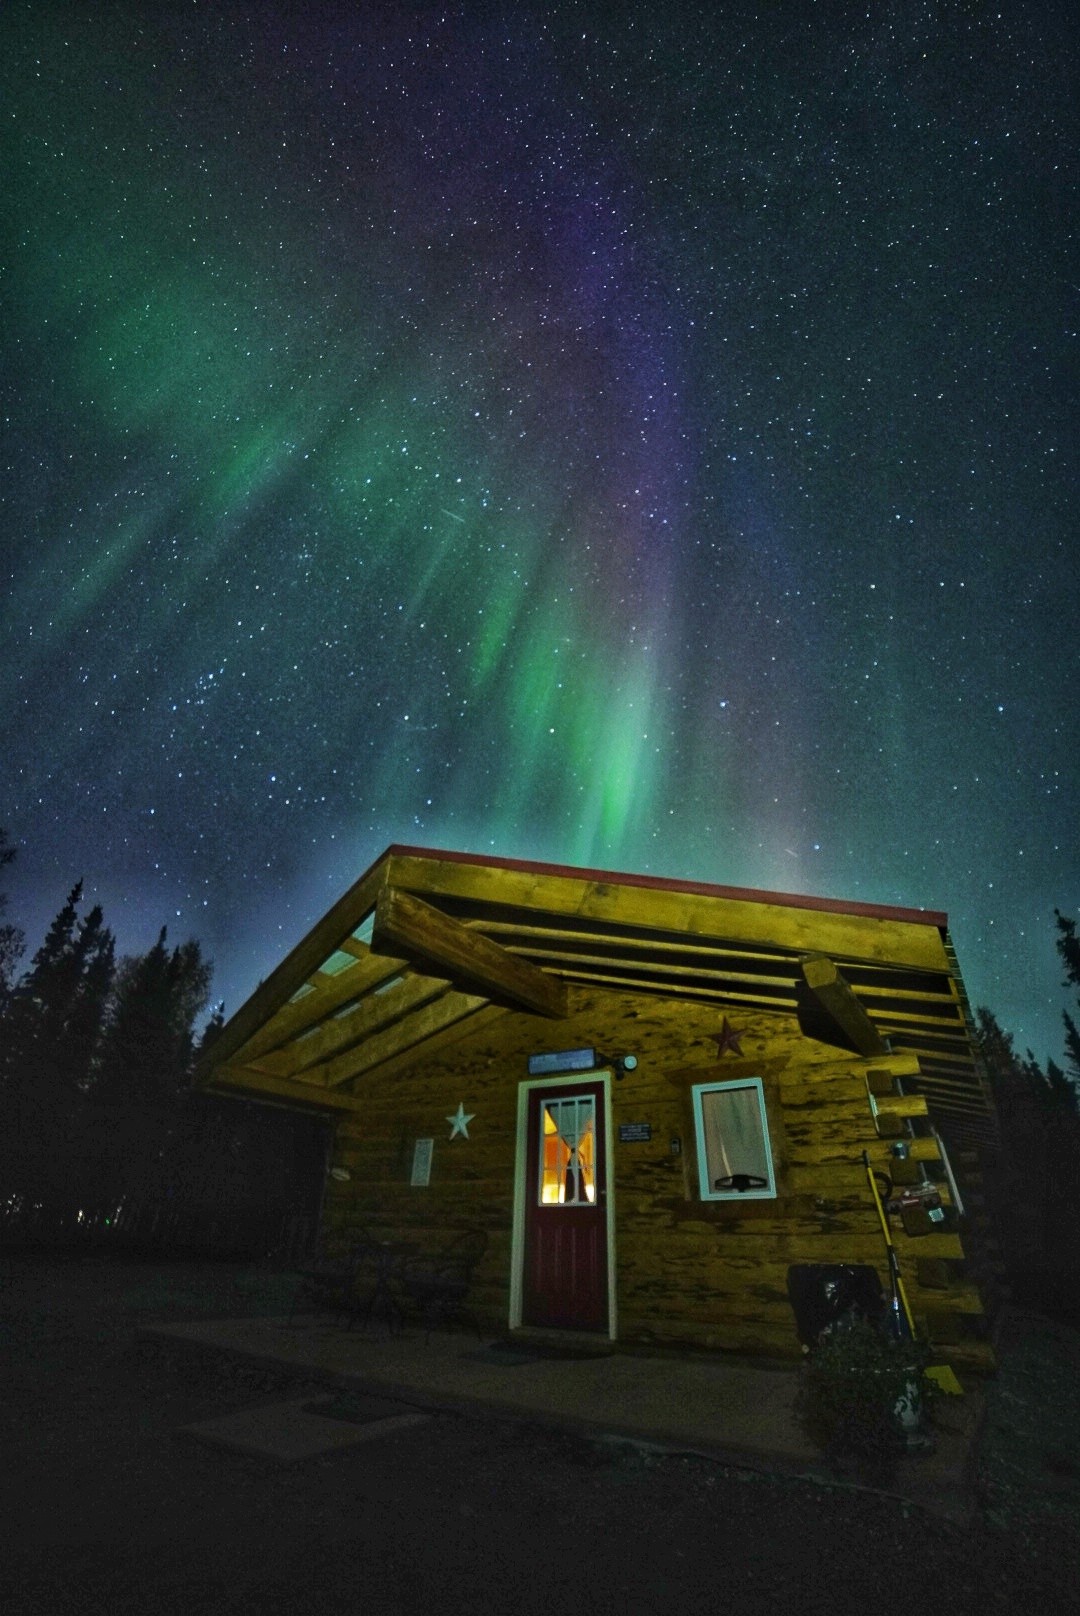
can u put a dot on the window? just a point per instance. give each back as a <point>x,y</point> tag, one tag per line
<point>732,1131</point>
<point>568,1152</point>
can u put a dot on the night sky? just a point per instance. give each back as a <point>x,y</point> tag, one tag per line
<point>634,436</point>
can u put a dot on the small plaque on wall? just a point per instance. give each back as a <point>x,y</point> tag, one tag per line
<point>562,1060</point>
<point>634,1133</point>
<point>421,1163</point>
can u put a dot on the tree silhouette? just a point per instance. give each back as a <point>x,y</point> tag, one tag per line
<point>1068,947</point>
<point>12,940</point>
<point>101,1135</point>
<point>1031,1186</point>
<point>149,1037</point>
<point>55,1012</point>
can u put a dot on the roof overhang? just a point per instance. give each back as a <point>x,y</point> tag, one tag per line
<point>426,942</point>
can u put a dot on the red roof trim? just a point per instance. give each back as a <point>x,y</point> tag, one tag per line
<point>705,889</point>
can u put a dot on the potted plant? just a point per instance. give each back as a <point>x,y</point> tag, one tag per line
<point>861,1397</point>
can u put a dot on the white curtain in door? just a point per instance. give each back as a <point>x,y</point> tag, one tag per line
<point>574,1121</point>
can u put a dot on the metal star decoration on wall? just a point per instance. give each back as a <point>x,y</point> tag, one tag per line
<point>727,1038</point>
<point>460,1121</point>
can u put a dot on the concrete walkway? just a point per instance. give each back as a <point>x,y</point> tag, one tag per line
<point>735,1411</point>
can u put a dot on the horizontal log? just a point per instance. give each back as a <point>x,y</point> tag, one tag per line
<point>827,1141</point>
<point>940,1327</point>
<point>681,1257</point>
<point>851,1113</point>
<point>404,924</point>
<point>957,1299</point>
<point>911,1248</point>
<point>900,1105</point>
<point>970,1356</point>
<point>401,1039</point>
<point>255,1085</point>
<point>799,1085</point>
<point>926,1151</point>
<point>830,1002</point>
<point>297,1015</point>
<point>722,995</point>
<point>457,1048</point>
<point>311,952</point>
<point>883,938</point>
<point>346,1029</point>
<point>898,1063</point>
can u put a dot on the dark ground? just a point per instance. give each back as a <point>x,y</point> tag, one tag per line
<point>107,1509</point>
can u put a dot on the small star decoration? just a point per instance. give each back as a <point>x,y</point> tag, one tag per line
<point>460,1121</point>
<point>727,1038</point>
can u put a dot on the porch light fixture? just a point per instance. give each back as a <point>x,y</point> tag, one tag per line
<point>579,1060</point>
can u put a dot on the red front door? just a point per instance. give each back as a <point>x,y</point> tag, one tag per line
<point>565,1279</point>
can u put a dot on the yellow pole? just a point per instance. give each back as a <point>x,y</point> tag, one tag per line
<point>941,1374</point>
<point>894,1266</point>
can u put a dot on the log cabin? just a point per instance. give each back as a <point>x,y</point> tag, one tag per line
<point>652,1096</point>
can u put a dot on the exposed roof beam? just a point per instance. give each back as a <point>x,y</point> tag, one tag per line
<point>429,1022</point>
<point>695,993</point>
<point>243,1081</point>
<point>678,971</point>
<point>829,1010</point>
<point>372,1015</point>
<point>297,966</point>
<point>325,1000</point>
<point>406,925</point>
<point>885,937</point>
<point>387,1063</point>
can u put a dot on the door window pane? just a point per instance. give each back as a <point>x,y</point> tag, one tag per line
<point>568,1151</point>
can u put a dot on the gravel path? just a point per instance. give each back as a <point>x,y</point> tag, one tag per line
<point>108,1510</point>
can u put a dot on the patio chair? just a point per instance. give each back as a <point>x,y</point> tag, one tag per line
<point>330,1286</point>
<point>380,1295</point>
<point>438,1287</point>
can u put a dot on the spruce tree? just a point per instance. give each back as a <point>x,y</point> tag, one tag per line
<point>55,1010</point>
<point>1068,947</point>
<point>1033,1190</point>
<point>149,1037</point>
<point>12,940</point>
<point>95,955</point>
<point>212,1030</point>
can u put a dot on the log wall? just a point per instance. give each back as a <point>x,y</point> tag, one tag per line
<point>710,1275</point>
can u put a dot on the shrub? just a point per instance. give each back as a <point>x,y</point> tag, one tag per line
<point>853,1388</point>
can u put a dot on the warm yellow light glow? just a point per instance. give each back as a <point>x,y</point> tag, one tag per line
<point>568,1153</point>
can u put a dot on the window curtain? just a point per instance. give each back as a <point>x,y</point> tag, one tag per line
<point>733,1138</point>
<point>573,1121</point>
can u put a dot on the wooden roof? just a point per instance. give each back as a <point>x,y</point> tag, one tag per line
<point>426,942</point>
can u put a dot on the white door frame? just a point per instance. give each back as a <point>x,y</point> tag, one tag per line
<point>517,1244</point>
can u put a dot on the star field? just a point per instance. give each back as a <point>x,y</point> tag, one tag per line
<point>629,436</point>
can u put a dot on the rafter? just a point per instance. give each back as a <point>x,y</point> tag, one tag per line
<point>829,1010</point>
<point>406,925</point>
<point>297,966</point>
<point>376,1012</point>
<point>295,1017</point>
<point>876,939</point>
<point>243,1080</point>
<point>431,1019</point>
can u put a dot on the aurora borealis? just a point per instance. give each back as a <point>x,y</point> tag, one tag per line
<point>632,436</point>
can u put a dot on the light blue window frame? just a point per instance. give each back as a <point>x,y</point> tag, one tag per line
<point>767,1192</point>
